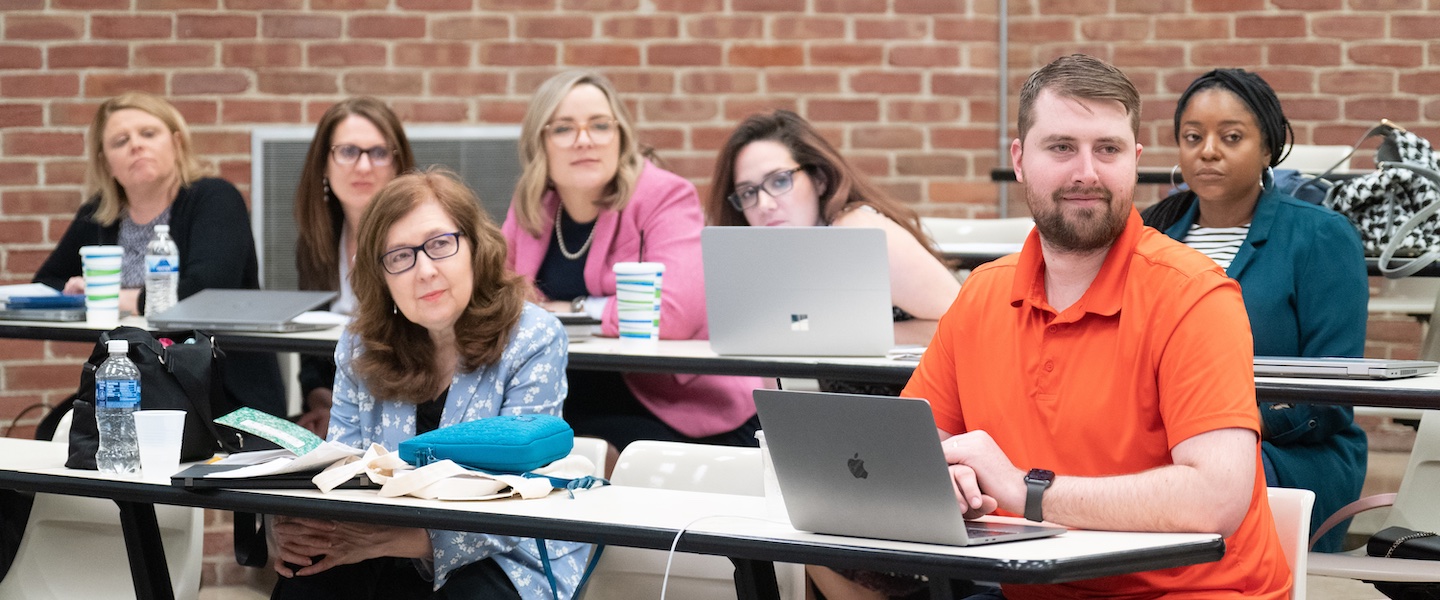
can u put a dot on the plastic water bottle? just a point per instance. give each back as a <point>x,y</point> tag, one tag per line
<point>162,271</point>
<point>117,397</point>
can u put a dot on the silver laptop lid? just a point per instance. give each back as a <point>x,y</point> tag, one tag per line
<point>870,451</point>
<point>797,291</point>
<point>241,310</point>
<point>1342,368</point>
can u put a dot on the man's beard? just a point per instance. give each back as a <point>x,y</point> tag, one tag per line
<point>1082,230</point>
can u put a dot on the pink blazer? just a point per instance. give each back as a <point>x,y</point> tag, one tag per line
<point>665,212</point>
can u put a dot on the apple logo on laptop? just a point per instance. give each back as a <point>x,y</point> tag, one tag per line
<point>799,322</point>
<point>857,467</point>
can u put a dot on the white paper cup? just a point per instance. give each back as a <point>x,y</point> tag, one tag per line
<point>637,301</point>
<point>158,433</point>
<point>101,266</point>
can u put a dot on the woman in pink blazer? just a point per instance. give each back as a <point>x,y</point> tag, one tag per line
<point>586,200</point>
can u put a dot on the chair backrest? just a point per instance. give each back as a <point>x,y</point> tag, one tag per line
<point>1415,501</point>
<point>73,548</point>
<point>1290,509</point>
<point>1315,158</point>
<point>593,449</point>
<point>978,231</point>
<point>625,573</point>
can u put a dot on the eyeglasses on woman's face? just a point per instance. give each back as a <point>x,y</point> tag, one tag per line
<point>567,133</point>
<point>349,154</point>
<point>775,184</point>
<point>400,260</point>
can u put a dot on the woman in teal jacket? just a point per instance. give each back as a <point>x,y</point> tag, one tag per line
<point>1300,266</point>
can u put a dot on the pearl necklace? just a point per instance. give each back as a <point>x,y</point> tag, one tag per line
<point>560,237</point>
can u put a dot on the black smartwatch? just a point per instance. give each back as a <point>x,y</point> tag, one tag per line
<point>1036,482</point>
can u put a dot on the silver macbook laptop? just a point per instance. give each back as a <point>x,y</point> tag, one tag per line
<point>1342,368</point>
<point>243,310</point>
<point>797,291</point>
<point>869,466</point>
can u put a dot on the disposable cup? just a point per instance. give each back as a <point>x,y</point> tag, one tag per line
<point>158,433</point>
<point>101,266</point>
<point>637,301</point>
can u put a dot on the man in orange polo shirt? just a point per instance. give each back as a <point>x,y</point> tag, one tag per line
<point>1101,379</point>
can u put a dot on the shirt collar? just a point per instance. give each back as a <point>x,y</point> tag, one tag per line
<point>1105,293</point>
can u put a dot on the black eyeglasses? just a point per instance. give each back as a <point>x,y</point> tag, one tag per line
<point>400,260</point>
<point>775,184</point>
<point>349,154</point>
<point>567,133</point>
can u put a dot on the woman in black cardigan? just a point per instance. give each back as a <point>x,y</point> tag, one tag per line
<point>143,173</point>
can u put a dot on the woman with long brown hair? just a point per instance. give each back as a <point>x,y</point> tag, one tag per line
<point>442,334</point>
<point>359,146</point>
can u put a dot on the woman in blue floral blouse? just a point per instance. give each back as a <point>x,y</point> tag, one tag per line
<point>442,334</point>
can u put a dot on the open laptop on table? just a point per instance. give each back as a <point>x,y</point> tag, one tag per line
<point>1342,368</point>
<point>797,291</point>
<point>869,466</point>
<point>271,311</point>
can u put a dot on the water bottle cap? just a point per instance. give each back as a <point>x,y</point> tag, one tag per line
<point>162,229</point>
<point>118,346</point>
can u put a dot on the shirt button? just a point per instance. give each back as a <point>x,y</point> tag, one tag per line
<point>1049,365</point>
<point>1052,329</point>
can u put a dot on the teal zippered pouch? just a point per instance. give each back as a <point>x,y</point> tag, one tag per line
<point>503,443</point>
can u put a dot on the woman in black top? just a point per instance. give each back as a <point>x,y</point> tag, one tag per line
<point>143,172</point>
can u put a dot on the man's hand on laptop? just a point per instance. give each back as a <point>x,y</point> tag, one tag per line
<point>984,477</point>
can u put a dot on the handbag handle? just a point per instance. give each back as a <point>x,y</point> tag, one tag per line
<point>195,388</point>
<point>1413,265</point>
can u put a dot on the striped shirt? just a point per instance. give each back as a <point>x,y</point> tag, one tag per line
<point>1218,243</point>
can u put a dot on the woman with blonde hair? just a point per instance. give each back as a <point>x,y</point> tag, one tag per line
<point>442,335</point>
<point>587,199</point>
<point>143,172</point>
<point>359,146</point>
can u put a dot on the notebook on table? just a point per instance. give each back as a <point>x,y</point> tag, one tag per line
<point>1342,368</point>
<point>869,466</point>
<point>42,314</point>
<point>797,291</point>
<point>272,311</point>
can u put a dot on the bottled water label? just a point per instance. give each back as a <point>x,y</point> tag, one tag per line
<point>117,393</point>
<point>161,265</point>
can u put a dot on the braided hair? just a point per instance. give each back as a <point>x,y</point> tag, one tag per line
<point>1275,130</point>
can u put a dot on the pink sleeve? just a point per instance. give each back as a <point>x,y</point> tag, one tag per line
<point>668,219</point>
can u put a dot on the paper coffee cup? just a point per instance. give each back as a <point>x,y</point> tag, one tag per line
<point>101,267</point>
<point>637,300</point>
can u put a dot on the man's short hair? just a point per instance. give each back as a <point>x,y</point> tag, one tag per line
<point>1081,77</point>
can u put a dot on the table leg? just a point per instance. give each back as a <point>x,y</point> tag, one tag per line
<point>755,580</point>
<point>146,551</point>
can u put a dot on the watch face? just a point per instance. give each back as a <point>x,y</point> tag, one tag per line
<point>1040,475</point>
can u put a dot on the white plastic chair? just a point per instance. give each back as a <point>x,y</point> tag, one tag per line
<point>1414,507</point>
<point>1291,511</point>
<point>1315,158</point>
<point>73,548</point>
<point>945,231</point>
<point>593,449</point>
<point>626,573</point>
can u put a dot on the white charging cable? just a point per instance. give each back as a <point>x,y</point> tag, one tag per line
<point>670,558</point>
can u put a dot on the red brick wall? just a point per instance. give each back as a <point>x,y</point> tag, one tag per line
<point>907,88</point>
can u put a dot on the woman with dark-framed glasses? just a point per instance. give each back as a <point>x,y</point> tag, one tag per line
<point>359,146</point>
<point>588,198</point>
<point>442,334</point>
<point>776,170</point>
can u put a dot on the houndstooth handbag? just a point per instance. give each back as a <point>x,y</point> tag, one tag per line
<point>1394,207</point>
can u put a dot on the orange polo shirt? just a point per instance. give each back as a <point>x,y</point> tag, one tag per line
<point>1156,351</point>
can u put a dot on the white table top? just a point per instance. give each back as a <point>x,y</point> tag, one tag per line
<point>655,514</point>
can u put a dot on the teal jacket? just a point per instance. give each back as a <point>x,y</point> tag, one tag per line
<point>1302,274</point>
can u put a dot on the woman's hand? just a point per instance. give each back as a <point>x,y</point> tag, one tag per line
<point>130,301</point>
<point>317,411</point>
<point>556,306</point>
<point>74,285</point>
<point>317,545</point>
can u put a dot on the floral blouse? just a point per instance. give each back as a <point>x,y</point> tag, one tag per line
<point>529,378</point>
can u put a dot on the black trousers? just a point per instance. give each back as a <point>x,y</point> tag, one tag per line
<point>397,579</point>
